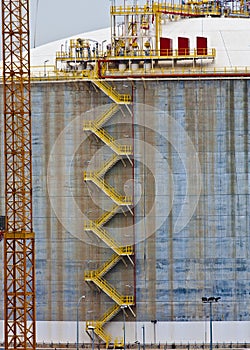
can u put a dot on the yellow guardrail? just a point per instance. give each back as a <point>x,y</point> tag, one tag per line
<point>172,54</point>
<point>191,8</point>
<point>51,74</point>
<point>65,75</point>
<point>162,71</point>
<point>140,54</point>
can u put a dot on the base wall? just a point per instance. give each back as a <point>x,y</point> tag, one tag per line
<point>165,332</point>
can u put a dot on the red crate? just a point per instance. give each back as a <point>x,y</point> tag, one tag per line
<point>166,47</point>
<point>201,45</point>
<point>183,46</point>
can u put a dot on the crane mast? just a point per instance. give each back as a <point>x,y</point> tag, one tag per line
<point>19,249</point>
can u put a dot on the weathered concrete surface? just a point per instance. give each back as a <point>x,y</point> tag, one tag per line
<point>209,256</point>
<point>174,269</point>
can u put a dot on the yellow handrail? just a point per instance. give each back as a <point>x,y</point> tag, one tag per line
<point>111,312</point>
<point>107,139</point>
<point>108,164</point>
<point>109,190</point>
<point>105,237</point>
<point>107,215</point>
<point>111,92</point>
<point>112,292</point>
<point>107,115</point>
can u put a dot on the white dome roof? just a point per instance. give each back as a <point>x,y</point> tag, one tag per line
<point>229,36</point>
<point>48,51</point>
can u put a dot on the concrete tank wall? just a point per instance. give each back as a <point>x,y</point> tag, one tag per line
<point>210,254</point>
<point>191,187</point>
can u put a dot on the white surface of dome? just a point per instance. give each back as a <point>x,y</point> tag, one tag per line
<point>229,36</point>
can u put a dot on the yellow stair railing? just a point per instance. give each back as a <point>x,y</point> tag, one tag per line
<point>108,165</point>
<point>106,337</point>
<point>110,290</point>
<point>107,266</point>
<point>103,269</point>
<point>103,335</point>
<point>105,237</point>
<point>98,325</point>
<point>110,313</point>
<point>107,215</point>
<point>107,115</point>
<point>107,139</point>
<point>112,93</point>
<point>106,188</point>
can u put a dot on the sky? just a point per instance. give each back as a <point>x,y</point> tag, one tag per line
<point>57,19</point>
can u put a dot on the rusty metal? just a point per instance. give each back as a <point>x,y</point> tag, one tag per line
<point>19,260</point>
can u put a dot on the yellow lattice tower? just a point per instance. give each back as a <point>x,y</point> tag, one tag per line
<point>19,260</point>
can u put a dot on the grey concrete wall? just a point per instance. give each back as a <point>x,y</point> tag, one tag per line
<point>210,254</point>
<point>173,123</point>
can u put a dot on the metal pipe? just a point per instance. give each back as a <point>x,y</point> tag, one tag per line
<point>93,336</point>
<point>77,321</point>
<point>143,337</point>
<point>44,67</point>
<point>211,326</point>
<point>123,307</point>
<point>209,301</point>
<point>93,339</point>
<point>124,330</point>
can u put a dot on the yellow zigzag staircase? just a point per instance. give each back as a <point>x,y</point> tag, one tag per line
<point>120,201</point>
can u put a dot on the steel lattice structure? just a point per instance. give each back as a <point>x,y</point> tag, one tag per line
<point>19,250</point>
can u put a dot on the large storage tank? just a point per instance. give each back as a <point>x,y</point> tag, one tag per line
<point>189,176</point>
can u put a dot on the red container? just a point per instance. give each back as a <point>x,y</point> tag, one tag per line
<point>201,45</point>
<point>183,46</point>
<point>166,47</point>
